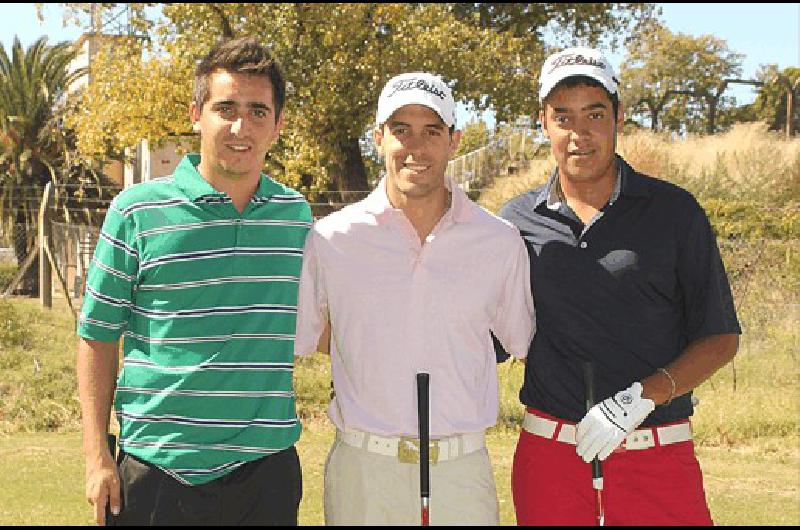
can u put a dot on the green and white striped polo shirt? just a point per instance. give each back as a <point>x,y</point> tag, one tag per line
<point>206,300</point>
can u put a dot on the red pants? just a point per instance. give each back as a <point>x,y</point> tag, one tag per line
<point>661,485</point>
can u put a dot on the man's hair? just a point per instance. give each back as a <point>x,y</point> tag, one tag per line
<point>244,55</point>
<point>584,80</point>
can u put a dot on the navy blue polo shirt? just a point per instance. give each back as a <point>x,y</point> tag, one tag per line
<point>628,292</point>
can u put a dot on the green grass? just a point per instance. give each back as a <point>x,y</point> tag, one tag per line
<point>41,482</point>
<point>42,479</point>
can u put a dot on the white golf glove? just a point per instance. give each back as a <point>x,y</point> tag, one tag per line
<point>609,422</point>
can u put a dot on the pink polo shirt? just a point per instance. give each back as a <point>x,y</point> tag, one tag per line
<point>398,307</point>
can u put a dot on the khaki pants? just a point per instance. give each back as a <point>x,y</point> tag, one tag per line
<point>364,488</point>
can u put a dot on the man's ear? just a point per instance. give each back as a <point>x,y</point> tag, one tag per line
<point>542,122</point>
<point>279,126</point>
<point>377,137</point>
<point>194,115</point>
<point>455,140</point>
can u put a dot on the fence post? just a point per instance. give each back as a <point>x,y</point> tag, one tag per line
<point>45,272</point>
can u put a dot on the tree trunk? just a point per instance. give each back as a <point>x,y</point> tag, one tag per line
<point>711,126</point>
<point>654,119</point>
<point>352,174</point>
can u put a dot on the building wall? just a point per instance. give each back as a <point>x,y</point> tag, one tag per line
<point>164,159</point>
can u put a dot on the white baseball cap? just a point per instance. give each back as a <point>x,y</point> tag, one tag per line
<point>417,88</point>
<point>576,61</point>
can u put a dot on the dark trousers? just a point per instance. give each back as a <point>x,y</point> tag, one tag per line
<point>266,491</point>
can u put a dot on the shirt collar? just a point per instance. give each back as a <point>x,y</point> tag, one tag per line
<point>628,183</point>
<point>632,182</point>
<point>195,186</point>
<point>460,209</point>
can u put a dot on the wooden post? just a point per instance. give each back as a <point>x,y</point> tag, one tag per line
<point>45,270</point>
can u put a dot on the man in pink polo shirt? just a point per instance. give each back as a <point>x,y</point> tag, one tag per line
<point>414,278</point>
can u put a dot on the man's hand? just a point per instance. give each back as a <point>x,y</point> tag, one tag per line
<point>609,422</point>
<point>102,487</point>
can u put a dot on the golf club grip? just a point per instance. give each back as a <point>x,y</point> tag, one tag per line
<point>423,400</point>
<point>588,380</point>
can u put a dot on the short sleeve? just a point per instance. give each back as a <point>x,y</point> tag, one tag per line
<point>515,321</point>
<point>111,279</point>
<point>707,300</point>
<point>312,300</point>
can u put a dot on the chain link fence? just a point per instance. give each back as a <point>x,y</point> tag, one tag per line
<point>505,155</point>
<point>17,240</point>
<point>73,246</point>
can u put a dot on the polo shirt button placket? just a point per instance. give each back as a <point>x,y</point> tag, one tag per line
<point>238,231</point>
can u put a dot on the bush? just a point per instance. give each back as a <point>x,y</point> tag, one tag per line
<point>38,388</point>
<point>13,331</point>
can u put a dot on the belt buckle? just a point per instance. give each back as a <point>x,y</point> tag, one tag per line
<point>408,450</point>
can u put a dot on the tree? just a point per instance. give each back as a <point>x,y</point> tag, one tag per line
<point>773,99</point>
<point>336,56</point>
<point>474,135</point>
<point>660,65</point>
<point>32,84</point>
<point>582,22</point>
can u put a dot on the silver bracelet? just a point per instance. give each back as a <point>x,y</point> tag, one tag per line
<point>671,380</point>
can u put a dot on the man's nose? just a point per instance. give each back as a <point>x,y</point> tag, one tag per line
<point>415,144</point>
<point>236,126</point>
<point>579,132</point>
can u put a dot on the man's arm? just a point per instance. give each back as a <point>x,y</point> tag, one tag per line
<point>313,328</point>
<point>97,371</point>
<point>699,361</point>
<point>324,343</point>
<point>515,320</point>
<point>607,423</point>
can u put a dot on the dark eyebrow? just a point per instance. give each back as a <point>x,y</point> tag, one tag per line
<point>253,105</point>
<point>593,106</point>
<point>437,126</point>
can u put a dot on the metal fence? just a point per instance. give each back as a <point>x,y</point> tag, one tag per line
<point>504,155</point>
<point>73,246</point>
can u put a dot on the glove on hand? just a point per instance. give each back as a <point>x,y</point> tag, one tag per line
<point>609,422</point>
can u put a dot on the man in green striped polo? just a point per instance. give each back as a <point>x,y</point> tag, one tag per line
<point>198,272</point>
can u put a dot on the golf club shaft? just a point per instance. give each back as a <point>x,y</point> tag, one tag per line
<point>423,400</point>
<point>597,470</point>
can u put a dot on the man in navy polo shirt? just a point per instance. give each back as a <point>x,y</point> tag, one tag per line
<point>627,276</point>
